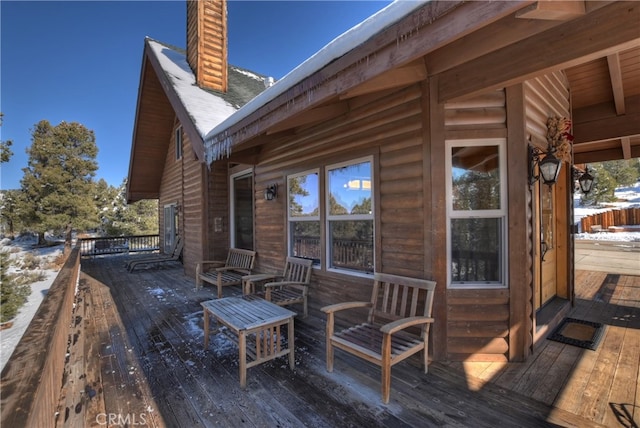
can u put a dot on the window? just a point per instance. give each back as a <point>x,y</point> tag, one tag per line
<point>477,213</point>
<point>179,143</point>
<point>303,193</point>
<point>349,216</point>
<point>338,234</point>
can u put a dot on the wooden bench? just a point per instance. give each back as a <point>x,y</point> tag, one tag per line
<point>239,263</point>
<point>397,325</point>
<point>290,288</point>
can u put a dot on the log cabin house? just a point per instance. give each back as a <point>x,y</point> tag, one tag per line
<point>401,147</point>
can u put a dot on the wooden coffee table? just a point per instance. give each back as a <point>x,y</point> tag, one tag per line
<point>255,325</point>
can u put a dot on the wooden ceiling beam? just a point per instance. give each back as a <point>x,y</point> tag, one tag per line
<point>599,122</point>
<point>615,73</point>
<point>599,33</point>
<point>396,78</point>
<point>625,142</point>
<point>555,10</point>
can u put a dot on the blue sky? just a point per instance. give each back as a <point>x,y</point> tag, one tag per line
<point>79,61</point>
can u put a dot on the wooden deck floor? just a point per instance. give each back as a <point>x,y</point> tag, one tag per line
<point>137,358</point>
<point>601,385</point>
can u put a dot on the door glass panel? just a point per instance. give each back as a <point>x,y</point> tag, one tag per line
<point>243,212</point>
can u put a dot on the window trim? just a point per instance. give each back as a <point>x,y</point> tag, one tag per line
<point>501,213</point>
<point>317,218</point>
<point>350,217</point>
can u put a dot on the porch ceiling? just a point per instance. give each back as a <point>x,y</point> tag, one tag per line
<point>598,48</point>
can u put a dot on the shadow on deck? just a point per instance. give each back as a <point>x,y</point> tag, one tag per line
<point>137,358</point>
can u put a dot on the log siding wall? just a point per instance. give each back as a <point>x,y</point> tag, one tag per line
<point>387,127</point>
<point>477,320</point>
<point>183,184</point>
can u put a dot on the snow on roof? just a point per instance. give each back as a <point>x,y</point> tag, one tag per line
<point>206,109</point>
<point>333,50</point>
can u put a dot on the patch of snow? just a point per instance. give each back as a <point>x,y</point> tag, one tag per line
<point>206,109</point>
<point>10,337</point>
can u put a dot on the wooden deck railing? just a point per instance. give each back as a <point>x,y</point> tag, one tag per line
<point>118,244</point>
<point>32,378</point>
<point>618,217</point>
<point>347,253</point>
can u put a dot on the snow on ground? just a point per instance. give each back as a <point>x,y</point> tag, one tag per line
<point>10,337</point>
<point>627,197</point>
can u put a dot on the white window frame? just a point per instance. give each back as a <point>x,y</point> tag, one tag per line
<point>291,219</point>
<point>501,213</point>
<point>350,217</point>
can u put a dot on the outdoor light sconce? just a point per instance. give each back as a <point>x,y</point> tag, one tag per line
<point>271,192</point>
<point>549,166</point>
<point>586,181</point>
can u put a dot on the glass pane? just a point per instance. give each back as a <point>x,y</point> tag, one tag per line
<point>476,178</point>
<point>350,189</point>
<point>303,196</point>
<point>243,212</point>
<point>546,221</point>
<point>476,250</point>
<point>305,240</point>
<point>351,245</point>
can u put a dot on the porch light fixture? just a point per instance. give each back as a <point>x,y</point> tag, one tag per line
<point>586,181</point>
<point>548,166</point>
<point>271,192</point>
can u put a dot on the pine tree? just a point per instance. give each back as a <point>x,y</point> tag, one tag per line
<point>13,293</point>
<point>5,146</point>
<point>58,181</point>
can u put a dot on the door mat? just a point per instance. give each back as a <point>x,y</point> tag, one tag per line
<point>585,334</point>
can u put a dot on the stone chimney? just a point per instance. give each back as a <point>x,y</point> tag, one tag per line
<point>207,42</point>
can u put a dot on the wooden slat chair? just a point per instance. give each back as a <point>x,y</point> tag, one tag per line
<point>173,256</point>
<point>224,273</point>
<point>396,328</point>
<point>292,287</point>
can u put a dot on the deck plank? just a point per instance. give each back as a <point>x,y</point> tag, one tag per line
<point>152,321</point>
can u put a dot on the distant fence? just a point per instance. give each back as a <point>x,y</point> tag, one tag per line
<point>604,220</point>
<point>118,244</point>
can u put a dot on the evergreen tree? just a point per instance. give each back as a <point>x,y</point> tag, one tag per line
<point>608,176</point>
<point>58,181</point>
<point>120,219</point>
<point>5,146</point>
<point>13,293</point>
<point>11,211</point>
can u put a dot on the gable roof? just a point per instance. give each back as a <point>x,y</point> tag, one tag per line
<point>167,90</point>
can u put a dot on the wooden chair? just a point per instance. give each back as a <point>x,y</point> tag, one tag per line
<point>173,256</point>
<point>396,328</point>
<point>223,273</point>
<point>292,287</point>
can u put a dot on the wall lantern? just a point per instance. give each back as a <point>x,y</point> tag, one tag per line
<point>271,192</point>
<point>586,181</point>
<point>549,166</point>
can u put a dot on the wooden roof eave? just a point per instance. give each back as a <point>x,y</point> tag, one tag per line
<point>371,59</point>
<point>129,196</point>
<point>188,126</point>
